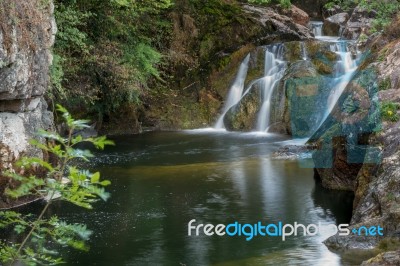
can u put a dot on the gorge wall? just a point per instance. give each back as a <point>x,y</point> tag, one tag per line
<point>27,34</point>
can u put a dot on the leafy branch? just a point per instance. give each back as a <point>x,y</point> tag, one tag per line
<point>62,181</point>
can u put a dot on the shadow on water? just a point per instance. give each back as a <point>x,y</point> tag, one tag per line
<point>334,203</point>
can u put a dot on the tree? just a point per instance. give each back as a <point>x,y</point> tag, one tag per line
<point>62,181</point>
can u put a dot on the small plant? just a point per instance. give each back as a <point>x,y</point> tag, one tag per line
<point>63,181</point>
<point>389,111</point>
<point>385,84</point>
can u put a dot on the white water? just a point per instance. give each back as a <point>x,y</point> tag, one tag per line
<point>316,28</point>
<point>235,93</point>
<point>345,70</point>
<point>304,54</point>
<point>274,69</point>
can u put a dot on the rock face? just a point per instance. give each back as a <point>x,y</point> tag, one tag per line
<point>334,25</point>
<point>26,37</point>
<point>359,22</point>
<point>355,116</point>
<point>376,182</point>
<point>285,28</point>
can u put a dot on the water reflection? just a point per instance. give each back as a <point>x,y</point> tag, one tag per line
<point>162,181</point>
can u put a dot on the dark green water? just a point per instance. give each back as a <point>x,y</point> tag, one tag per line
<point>160,181</point>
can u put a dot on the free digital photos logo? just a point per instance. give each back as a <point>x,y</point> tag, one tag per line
<point>279,229</point>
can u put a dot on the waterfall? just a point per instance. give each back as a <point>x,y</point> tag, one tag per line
<point>329,90</point>
<point>316,28</point>
<point>235,92</point>
<point>304,55</point>
<point>345,70</point>
<point>274,69</point>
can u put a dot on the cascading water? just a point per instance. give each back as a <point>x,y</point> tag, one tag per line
<point>345,70</point>
<point>316,28</point>
<point>274,69</point>
<point>235,93</point>
<point>303,51</point>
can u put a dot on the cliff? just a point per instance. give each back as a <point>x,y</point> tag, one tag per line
<point>27,34</point>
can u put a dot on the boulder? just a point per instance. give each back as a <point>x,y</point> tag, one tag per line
<point>296,14</point>
<point>333,25</point>
<point>285,28</point>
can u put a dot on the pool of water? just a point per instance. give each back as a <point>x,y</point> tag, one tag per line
<point>161,181</point>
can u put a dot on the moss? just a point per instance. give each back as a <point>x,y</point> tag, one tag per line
<point>322,66</point>
<point>331,56</point>
<point>293,51</point>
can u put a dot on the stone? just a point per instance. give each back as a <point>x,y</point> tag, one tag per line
<point>296,14</point>
<point>334,25</point>
<point>285,29</point>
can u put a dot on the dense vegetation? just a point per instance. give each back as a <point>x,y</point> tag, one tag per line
<point>106,52</point>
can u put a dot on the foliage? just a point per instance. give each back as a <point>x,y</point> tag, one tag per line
<point>389,111</point>
<point>105,55</point>
<point>62,182</point>
<point>282,3</point>
<point>344,4</point>
<point>385,10</point>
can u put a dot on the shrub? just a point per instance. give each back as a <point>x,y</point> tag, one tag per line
<point>62,180</point>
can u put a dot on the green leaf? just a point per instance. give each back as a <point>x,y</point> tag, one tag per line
<point>105,183</point>
<point>95,178</point>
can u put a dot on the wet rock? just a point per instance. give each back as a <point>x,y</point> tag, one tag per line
<point>292,152</point>
<point>243,116</point>
<point>333,25</point>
